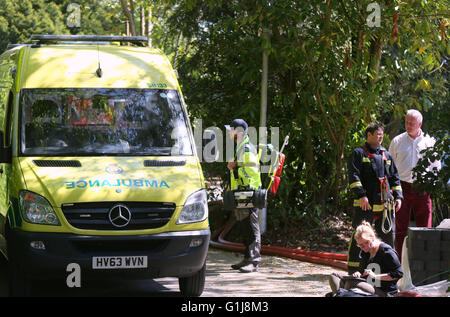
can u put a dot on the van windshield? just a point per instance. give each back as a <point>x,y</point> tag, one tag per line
<point>103,122</point>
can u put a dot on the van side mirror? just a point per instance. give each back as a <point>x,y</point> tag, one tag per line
<point>5,152</point>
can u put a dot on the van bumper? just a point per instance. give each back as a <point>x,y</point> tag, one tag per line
<point>168,254</point>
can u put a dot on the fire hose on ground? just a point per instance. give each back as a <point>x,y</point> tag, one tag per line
<point>330,259</point>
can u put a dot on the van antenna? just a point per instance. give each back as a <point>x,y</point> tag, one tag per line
<point>99,71</point>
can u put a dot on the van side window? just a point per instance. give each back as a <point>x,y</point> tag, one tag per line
<point>8,125</point>
<point>3,102</point>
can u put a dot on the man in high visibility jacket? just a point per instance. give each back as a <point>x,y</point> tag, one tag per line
<point>245,174</point>
<point>373,179</point>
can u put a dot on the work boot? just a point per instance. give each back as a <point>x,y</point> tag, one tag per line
<point>237,266</point>
<point>251,267</point>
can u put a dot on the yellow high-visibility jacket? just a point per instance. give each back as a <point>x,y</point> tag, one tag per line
<point>246,172</point>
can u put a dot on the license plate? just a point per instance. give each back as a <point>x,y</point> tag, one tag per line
<point>119,262</point>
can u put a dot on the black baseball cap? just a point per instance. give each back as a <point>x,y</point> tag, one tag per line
<point>237,123</point>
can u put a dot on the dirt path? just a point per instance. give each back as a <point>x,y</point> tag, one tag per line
<point>276,277</point>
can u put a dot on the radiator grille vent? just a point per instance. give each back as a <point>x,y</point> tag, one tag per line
<point>153,163</point>
<point>57,163</point>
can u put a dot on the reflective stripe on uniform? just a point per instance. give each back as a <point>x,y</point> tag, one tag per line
<point>378,208</point>
<point>366,159</point>
<point>399,188</point>
<point>355,184</point>
<point>353,264</point>
<point>374,207</point>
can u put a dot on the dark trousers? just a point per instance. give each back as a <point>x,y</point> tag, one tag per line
<point>374,218</point>
<point>337,280</point>
<point>249,227</point>
<point>418,202</point>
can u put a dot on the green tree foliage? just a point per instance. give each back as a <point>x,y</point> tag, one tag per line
<point>330,72</point>
<point>330,75</point>
<point>96,17</point>
<point>20,19</point>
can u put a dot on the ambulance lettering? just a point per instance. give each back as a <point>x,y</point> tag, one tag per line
<point>153,183</point>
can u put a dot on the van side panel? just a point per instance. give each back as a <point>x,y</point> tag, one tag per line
<point>8,71</point>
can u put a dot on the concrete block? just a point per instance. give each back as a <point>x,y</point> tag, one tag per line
<point>429,234</point>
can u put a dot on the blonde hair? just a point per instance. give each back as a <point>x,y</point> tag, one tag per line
<point>365,231</point>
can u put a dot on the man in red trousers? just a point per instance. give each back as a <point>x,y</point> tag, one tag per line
<point>405,150</point>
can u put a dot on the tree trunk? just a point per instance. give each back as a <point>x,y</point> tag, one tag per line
<point>129,15</point>
<point>142,20</point>
<point>174,63</point>
<point>149,25</point>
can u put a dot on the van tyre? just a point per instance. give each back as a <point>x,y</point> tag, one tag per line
<point>19,284</point>
<point>193,285</point>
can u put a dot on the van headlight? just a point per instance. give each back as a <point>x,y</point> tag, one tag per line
<point>195,208</point>
<point>36,209</point>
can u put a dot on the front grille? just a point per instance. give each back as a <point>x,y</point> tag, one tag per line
<point>95,216</point>
<point>57,163</point>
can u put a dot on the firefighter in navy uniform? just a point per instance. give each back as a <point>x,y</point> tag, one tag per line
<point>374,181</point>
<point>245,174</point>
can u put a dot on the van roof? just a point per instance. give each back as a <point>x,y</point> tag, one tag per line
<point>46,38</point>
<point>77,64</point>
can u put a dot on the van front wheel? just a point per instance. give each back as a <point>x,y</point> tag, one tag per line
<point>19,284</point>
<point>193,285</point>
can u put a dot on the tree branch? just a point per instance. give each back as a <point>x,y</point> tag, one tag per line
<point>317,93</point>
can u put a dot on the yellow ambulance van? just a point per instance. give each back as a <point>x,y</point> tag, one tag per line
<point>98,166</point>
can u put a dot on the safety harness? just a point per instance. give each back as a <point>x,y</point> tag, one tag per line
<point>386,197</point>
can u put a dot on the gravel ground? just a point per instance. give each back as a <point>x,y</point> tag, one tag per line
<point>276,277</point>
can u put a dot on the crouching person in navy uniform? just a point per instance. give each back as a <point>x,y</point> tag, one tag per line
<point>379,268</point>
<point>372,176</point>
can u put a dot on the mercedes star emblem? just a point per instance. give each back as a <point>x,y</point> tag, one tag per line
<point>119,216</point>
